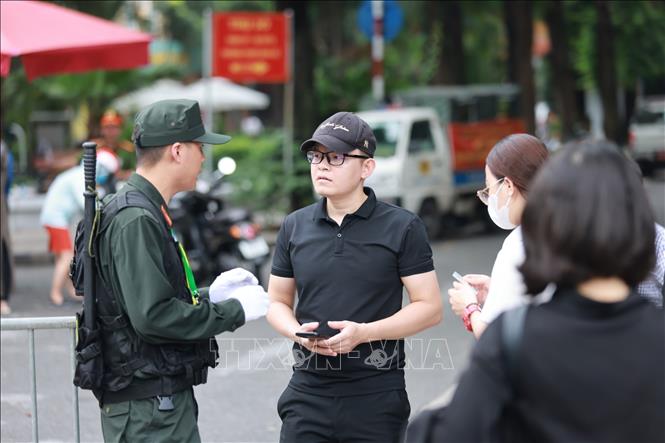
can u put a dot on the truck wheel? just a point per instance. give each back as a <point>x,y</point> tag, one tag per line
<point>430,216</point>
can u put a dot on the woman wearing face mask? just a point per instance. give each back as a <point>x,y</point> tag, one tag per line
<point>511,165</point>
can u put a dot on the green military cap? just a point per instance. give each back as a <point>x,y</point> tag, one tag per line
<point>169,121</point>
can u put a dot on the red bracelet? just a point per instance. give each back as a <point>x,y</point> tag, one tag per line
<point>466,317</point>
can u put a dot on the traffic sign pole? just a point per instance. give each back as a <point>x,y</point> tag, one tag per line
<point>208,119</point>
<point>378,86</point>
<point>287,152</point>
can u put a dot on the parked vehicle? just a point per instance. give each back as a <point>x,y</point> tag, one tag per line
<point>215,236</point>
<point>431,157</point>
<point>647,134</point>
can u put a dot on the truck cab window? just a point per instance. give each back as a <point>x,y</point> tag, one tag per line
<point>487,107</point>
<point>463,111</point>
<point>421,137</point>
<point>386,134</point>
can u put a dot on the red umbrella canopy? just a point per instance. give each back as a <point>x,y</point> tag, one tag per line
<point>51,39</point>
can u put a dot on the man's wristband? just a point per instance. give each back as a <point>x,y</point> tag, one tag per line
<point>466,317</point>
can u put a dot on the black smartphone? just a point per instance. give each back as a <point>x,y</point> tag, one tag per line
<point>313,335</point>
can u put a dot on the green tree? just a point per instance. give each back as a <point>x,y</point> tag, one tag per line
<point>445,25</point>
<point>606,73</point>
<point>105,9</point>
<point>519,28</point>
<point>563,76</point>
<point>616,45</point>
<point>485,42</point>
<point>639,51</point>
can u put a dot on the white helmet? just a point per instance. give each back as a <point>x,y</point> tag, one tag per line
<point>107,165</point>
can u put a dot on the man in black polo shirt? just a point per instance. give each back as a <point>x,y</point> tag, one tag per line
<point>349,256</point>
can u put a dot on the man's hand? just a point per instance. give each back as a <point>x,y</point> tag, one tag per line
<point>351,335</point>
<point>314,345</point>
<point>226,282</point>
<point>254,300</point>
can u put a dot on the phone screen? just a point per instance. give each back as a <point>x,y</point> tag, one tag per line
<point>459,278</point>
<point>313,335</point>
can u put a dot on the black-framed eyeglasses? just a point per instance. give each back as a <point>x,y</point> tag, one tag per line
<point>484,194</point>
<point>334,158</point>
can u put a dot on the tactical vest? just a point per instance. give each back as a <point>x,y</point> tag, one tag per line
<point>169,368</point>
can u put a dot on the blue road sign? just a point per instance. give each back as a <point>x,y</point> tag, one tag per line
<point>393,18</point>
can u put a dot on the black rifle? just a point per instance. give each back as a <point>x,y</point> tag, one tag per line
<point>90,196</point>
<point>89,361</point>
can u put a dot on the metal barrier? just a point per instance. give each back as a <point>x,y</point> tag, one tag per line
<point>31,324</point>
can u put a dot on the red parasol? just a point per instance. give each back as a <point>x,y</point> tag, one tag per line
<point>51,39</point>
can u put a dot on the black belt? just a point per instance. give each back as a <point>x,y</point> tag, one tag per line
<point>140,389</point>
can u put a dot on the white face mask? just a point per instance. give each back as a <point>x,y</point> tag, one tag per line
<point>500,217</point>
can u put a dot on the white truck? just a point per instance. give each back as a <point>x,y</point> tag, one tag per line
<point>647,134</point>
<point>431,157</point>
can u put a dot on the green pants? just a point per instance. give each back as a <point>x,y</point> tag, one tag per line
<point>142,421</point>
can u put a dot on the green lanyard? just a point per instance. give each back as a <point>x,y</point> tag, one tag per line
<point>189,275</point>
<point>191,283</point>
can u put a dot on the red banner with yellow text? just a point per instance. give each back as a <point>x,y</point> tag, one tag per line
<point>471,142</point>
<point>251,47</point>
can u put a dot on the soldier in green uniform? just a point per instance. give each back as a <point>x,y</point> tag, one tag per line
<point>157,328</point>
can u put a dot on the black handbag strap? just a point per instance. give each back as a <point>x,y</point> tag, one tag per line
<point>512,329</point>
<point>422,428</point>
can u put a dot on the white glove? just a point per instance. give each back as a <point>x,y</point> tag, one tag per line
<point>227,281</point>
<point>254,301</point>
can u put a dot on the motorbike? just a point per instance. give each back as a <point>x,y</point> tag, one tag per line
<point>215,236</point>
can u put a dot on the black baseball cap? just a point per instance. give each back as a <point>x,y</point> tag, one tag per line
<point>343,132</point>
<point>169,121</point>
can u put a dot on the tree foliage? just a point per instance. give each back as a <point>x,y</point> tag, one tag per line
<point>640,40</point>
<point>334,58</point>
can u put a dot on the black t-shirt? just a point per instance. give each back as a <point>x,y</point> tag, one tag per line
<point>351,272</point>
<point>588,371</point>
